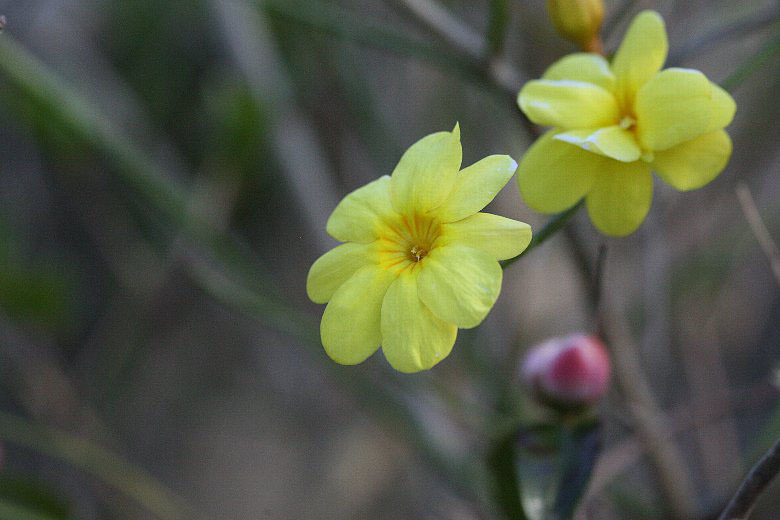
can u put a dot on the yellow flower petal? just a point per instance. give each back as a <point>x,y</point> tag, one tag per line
<point>476,186</point>
<point>722,108</point>
<point>459,284</point>
<point>350,328</point>
<point>413,339</point>
<point>426,172</point>
<point>674,106</point>
<point>694,163</point>
<point>620,197</point>
<point>499,236</point>
<point>641,54</point>
<point>335,267</point>
<point>554,175</point>
<point>583,66</point>
<point>611,141</point>
<point>568,104</point>
<point>359,215</point>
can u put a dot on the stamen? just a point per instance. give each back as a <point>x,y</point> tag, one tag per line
<point>627,122</point>
<point>418,253</point>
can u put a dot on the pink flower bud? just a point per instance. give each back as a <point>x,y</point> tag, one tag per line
<point>568,372</point>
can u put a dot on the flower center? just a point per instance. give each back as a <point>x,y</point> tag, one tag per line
<point>627,123</point>
<point>418,253</point>
<point>406,240</point>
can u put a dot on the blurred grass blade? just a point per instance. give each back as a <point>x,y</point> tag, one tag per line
<point>43,89</point>
<point>502,462</point>
<point>11,510</point>
<point>45,93</point>
<point>101,463</point>
<point>32,495</point>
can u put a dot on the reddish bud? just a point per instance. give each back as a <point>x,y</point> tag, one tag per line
<point>569,372</point>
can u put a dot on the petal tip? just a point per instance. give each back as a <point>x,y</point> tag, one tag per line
<point>456,130</point>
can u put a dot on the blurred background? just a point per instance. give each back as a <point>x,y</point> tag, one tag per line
<point>167,171</point>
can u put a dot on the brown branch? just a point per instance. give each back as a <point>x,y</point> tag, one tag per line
<point>759,477</point>
<point>648,418</point>
<point>758,227</point>
<point>622,454</point>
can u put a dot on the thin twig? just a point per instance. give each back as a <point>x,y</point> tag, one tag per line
<point>446,26</point>
<point>649,420</point>
<point>748,66</point>
<point>762,473</point>
<point>720,35</point>
<point>626,452</point>
<point>618,16</point>
<point>758,227</point>
<point>465,41</point>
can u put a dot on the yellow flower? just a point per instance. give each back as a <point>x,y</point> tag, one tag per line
<point>419,261</point>
<point>613,123</point>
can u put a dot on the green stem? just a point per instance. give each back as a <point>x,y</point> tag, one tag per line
<point>550,228</point>
<point>724,34</point>
<point>497,26</point>
<point>103,464</point>
<point>330,21</point>
<point>752,64</point>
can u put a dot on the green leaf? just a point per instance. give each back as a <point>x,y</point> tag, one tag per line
<point>581,447</point>
<point>553,465</point>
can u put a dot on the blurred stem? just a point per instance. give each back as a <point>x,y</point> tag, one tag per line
<point>649,420</point>
<point>620,13</point>
<point>497,26</point>
<point>720,35</point>
<point>760,476</point>
<point>758,227</point>
<point>465,42</point>
<point>103,464</point>
<point>9,509</point>
<point>550,228</point>
<point>446,26</point>
<point>44,89</point>
<point>752,64</point>
<point>330,20</point>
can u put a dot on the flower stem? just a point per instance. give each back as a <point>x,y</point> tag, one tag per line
<point>555,224</point>
<point>499,21</point>
<point>752,64</point>
<point>763,472</point>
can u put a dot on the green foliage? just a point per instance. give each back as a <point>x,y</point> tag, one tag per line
<point>24,498</point>
<point>553,463</point>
